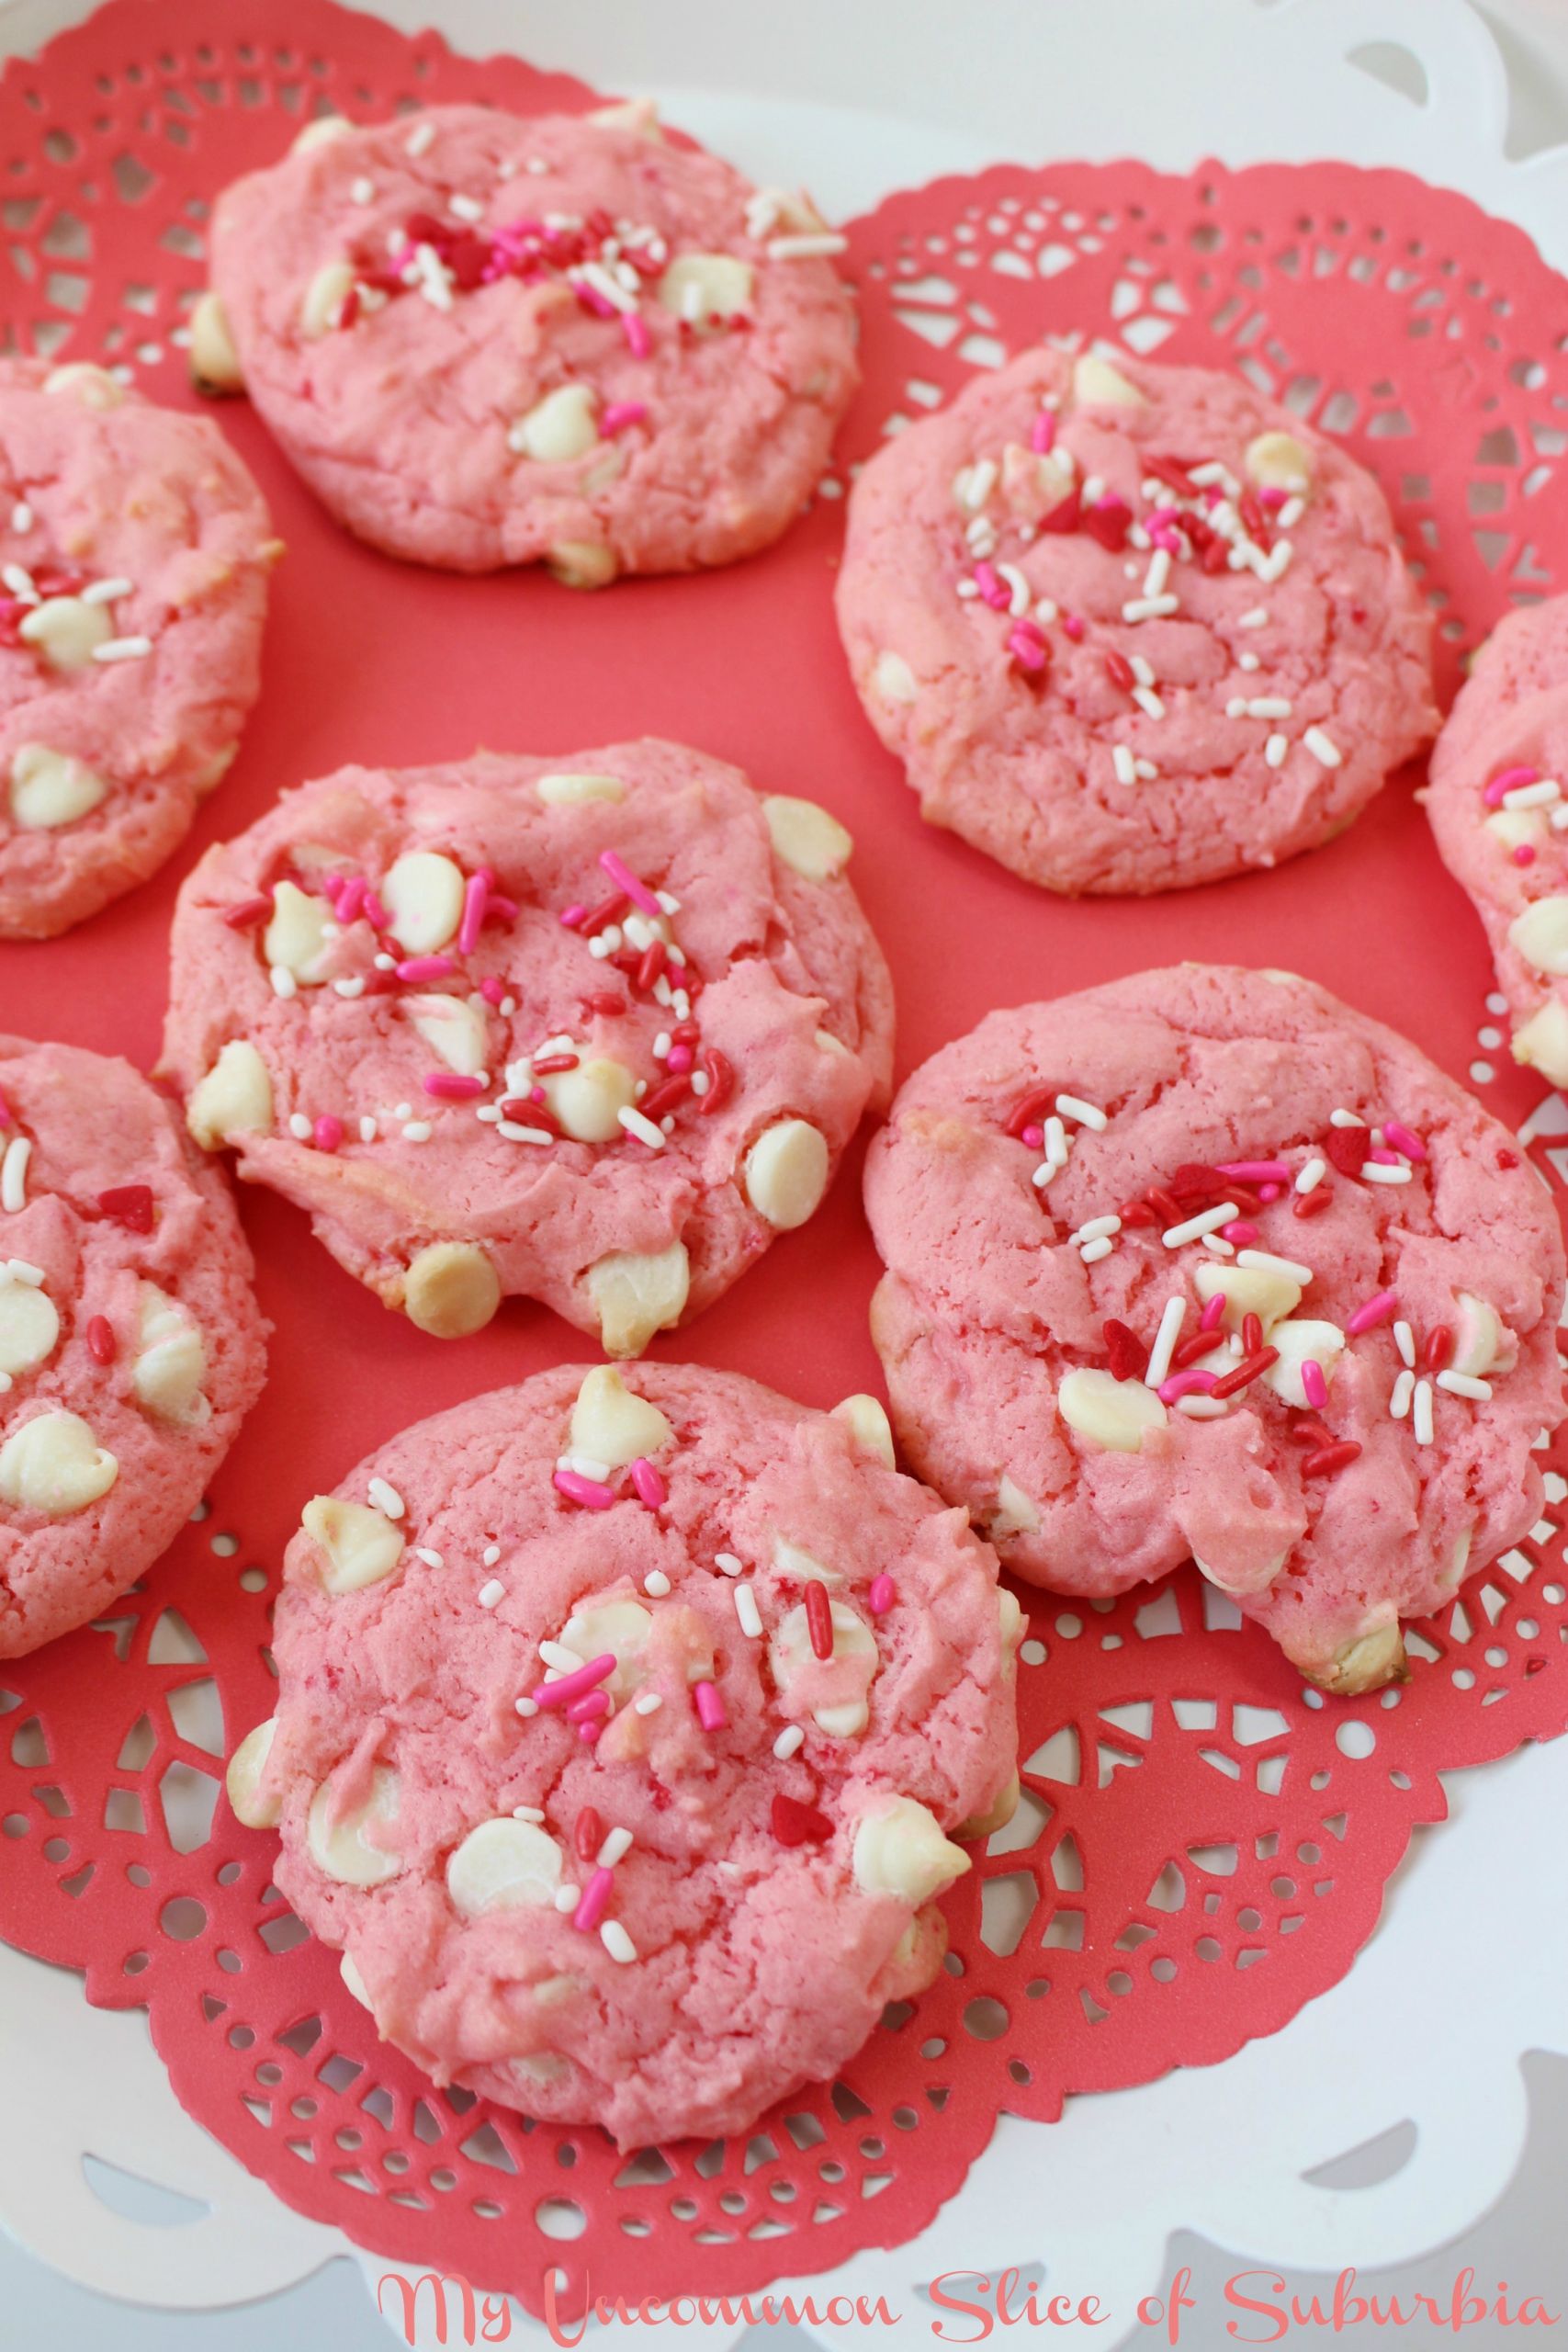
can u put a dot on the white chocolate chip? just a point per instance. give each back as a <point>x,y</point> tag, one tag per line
<point>1541,934</point>
<point>1541,1042</point>
<point>1374,1658</point>
<point>703,286</point>
<point>826,1043</point>
<point>560,427</point>
<point>570,791</point>
<point>299,937</point>
<point>640,114</point>
<point>422,894</point>
<point>1279,461</point>
<point>65,631</point>
<point>1113,1414</point>
<point>501,1864</point>
<point>321,132</point>
<point>214,362</point>
<point>807,838</point>
<point>901,1849</point>
<point>1011,1624</point>
<point>348,1969</point>
<point>620,1627</point>
<point>234,1098</point>
<point>1478,1336</point>
<point>94,387</point>
<point>637,1293</point>
<point>30,1326</point>
<point>324,298</point>
<point>361,1544</point>
<point>1014,1514</point>
<point>1300,1340</point>
<point>1256,1578</point>
<point>1097,384</point>
<point>50,788</point>
<point>609,1424</point>
<point>451,1289</point>
<point>868,1417</point>
<point>786,1172</point>
<point>171,1361</point>
<point>339,1848</point>
<point>243,1779</point>
<point>791,1560</point>
<point>55,1465</point>
<point>589,1100</point>
<point>455,1031</point>
<point>1267,1291</point>
<point>581,563</point>
<point>790,1654</point>
<point>894,680</point>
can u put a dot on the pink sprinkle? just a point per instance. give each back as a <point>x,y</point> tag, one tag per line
<point>1384,1158</point>
<point>879,1599</point>
<point>1256,1172</point>
<point>1239,1232</point>
<point>568,1686</point>
<point>1043,433</point>
<point>1033,1136</point>
<point>1162,517</point>
<point>1190,1383</point>
<point>709,1707</point>
<point>1402,1140</point>
<point>1271,498</point>
<point>450,1086</point>
<point>1371,1312</point>
<point>584,1710</point>
<point>650,1486</point>
<point>335,885</point>
<point>572,916</point>
<point>1027,652</point>
<point>1072,627</point>
<point>596,1901</point>
<point>1269,1191</point>
<point>349,900</point>
<point>1213,1314</point>
<point>586,1491</point>
<point>476,891</point>
<point>426,967</point>
<point>620,413</point>
<point>327,1133</point>
<point>499,909</point>
<point>1524,855</point>
<point>591,299</point>
<point>625,880</point>
<point>634,328</point>
<point>538,1094</point>
<point>591,1730</point>
<point>1167,539</point>
<point>1508,780</point>
<point>991,587</point>
<point>492,991</point>
<point>376,910</point>
<point>682,1059</point>
<point>1313,1385</point>
<point>1024,626</point>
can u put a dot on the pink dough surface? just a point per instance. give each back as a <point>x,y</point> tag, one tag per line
<point>758,1966</point>
<point>157,500</point>
<point>1022,762</point>
<point>399,419</point>
<point>796,998</point>
<point>1512,713</point>
<point>95,1124</point>
<point>986,1306</point>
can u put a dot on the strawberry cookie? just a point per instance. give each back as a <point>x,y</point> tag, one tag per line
<point>1131,628</point>
<point>130,1346</point>
<point>624,1729</point>
<point>1497,808</point>
<point>134,551</point>
<point>591,1030</point>
<point>1205,1264</point>
<point>487,341</point>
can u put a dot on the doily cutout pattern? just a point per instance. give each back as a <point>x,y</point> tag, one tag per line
<point>1201,1846</point>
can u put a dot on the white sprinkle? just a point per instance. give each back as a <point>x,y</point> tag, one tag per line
<point>700,1082</point>
<point>1265,1258</point>
<point>488,1113</point>
<point>299,1127</point>
<point>1148,702</point>
<point>527,1813</point>
<point>618,1843</point>
<point>1405,1340</point>
<point>1147,770</point>
<point>385,963</point>
<point>418,139</point>
<point>975,485</point>
<point>122,649</point>
<point>1377,1171</point>
<point>1533,796</point>
<point>1274,565</point>
<point>566,1898</point>
<point>789,1742</point>
<point>1309,1178</point>
<point>1249,661</point>
<point>1096,1230</point>
<point>1403,1387</point>
<point>1268,707</point>
<point>490,1594</point>
<point>1150,608</point>
<point>1092,1252</point>
<point>1421,1413</point>
<point>468,208</point>
<point>515,1133</point>
<point>283,983</point>
<point>1290,514</point>
<point>1157,573</point>
<point>14,1174</point>
<point>1462,1384</point>
<point>968,590</point>
<point>804,248</point>
<point>105,592</point>
<point>1202,1409</point>
<point>586,1466</point>
<point>21,517</point>
<point>557,1653</point>
<point>648,1703</point>
<point>21,1271</point>
<point>1324,749</point>
<point>431,1559</point>
<point>1087,1115</point>
<point>367,1130</point>
<point>663,1046</point>
<point>645,1130</point>
<point>1143,671</point>
<point>1057,1145</point>
<point>1236,706</point>
<point>525,1707</point>
<point>747,1614</point>
<point>656,1583</point>
<point>616,1942</point>
<point>19,581</point>
<point>1046,609</point>
<point>1212,473</point>
<point>1346,1119</point>
<point>728,1563</point>
<point>1017,586</point>
<point>1123,762</point>
<point>1166,1338</point>
<point>416,1130</point>
<point>1257,619</point>
<point>490,1553</point>
<point>349,988</point>
<point>362,191</point>
<point>1193,1228</point>
<point>1276,750</point>
<point>1218,1249</point>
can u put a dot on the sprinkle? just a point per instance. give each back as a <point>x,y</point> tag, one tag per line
<point>1071,1106</point>
<point>650,1486</point>
<point>1421,1412</point>
<point>790,1741</point>
<point>566,1897</point>
<point>1276,751</point>
<point>491,1555</point>
<point>619,414</point>
<point>1371,1312</point>
<point>1190,1383</point>
<point>1314,1385</point>
<point>451,1086</point>
<point>1150,608</point>
<point>1533,796</point>
<point>648,1703</point>
<point>1254,1172</point>
<point>476,894</point>
<point>327,1133</point>
<point>625,880</point>
<point>1374,1172</point>
<point>594,1901</point>
<point>795,1824</point>
<point>617,1846</point>
<point>368,1129</point>
<point>300,1126</point>
<point>1093,1251</point>
<point>1324,749</point>
<point>643,1128</point>
<point>1242,1376</point>
<point>803,248</point>
<point>21,517</point>
<point>656,1584</point>
<point>1324,1460</point>
<point>416,1131</point>
<point>747,1613</point>
<point>1508,780</point>
<point>1268,707</point>
<point>820,1618</point>
<point>101,1339</point>
<point>514,1133</point>
<point>283,983</point>
<point>1405,1340</point>
<point>1148,702</point>
<point>1166,1338</point>
<point>1265,1258</point>
<point>129,1205</point>
<point>246,912</point>
<point>524,1707</point>
<point>431,1559</point>
<point>14,1174</point>
<point>1193,1228</point>
<point>106,592</point>
<point>1240,1232</point>
<point>1462,1384</point>
<point>1312,1175</point>
<point>710,1707</point>
<point>1098,1229</point>
<point>572,1685</point>
<point>1257,619</point>
<point>491,1594</point>
<point>1346,1119</point>
<point>589,1708</point>
<point>591,1493</point>
<point>386,1498</point>
<point>123,648</point>
<point>418,139</point>
<point>1213,1314</point>
<point>1122,760</point>
<point>425,968</point>
<point>616,1943</point>
<point>362,191</point>
<point>879,1599</point>
<point>1402,1140</point>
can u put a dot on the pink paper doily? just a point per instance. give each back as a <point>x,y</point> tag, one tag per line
<point>1201,1846</point>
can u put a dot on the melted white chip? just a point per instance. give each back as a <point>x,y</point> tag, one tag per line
<point>807,838</point>
<point>256,1809</point>
<point>339,1848</point>
<point>612,1426</point>
<point>234,1098</point>
<point>902,1850</point>
<point>54,1465</point>
<point>49,789</point>
<point>171,1359</point>
<point>360,1544</point>
<point>503,1864</point>
<point>637,1293</point>
<point>1116,1414</point>
<point>422,894</point>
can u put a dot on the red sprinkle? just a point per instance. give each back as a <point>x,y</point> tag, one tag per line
<point>1246,1371</point>
<point>652,964</point>
<point>1136,1213</point>
<point>1127,1358</point>
<point>551,1065</point>
<point>588,1833</point>
<point>1312,1204</point>
<point>1440,1347</point>
<point>720,1073</point>
<point>1031,1109</point>
<point>1251,1334</point>
<point>1327,1459</point>
<point>1120,671</point>
<point>820,1618</point>
<point>1346,1148</point>
<point>129,1205</point>
<point>664,1098</point>
<point>1063,518</point>
<point>101,1345</point>
<point>1170,470</point>
<point>1187,1351</point>
<point>795,1824</point>
<point>608,910</point>
<point>1307,1429</point>
<point>605,1006</point>
<point>247,912</point>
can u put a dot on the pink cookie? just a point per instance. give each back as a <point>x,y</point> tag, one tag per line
<point>134,549</point>
<point>1205,1264</point>
<point>1498,809</point>
<point>1133,627</point>
<point>485,341</point>
<point>625,1786</point>
<point>130,1346</point>
<point>591,1030</point>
